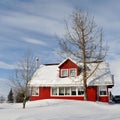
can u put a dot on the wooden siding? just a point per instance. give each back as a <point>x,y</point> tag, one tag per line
<point>45,93</point>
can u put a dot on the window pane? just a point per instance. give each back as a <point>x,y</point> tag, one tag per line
<point>54,91</point>
<point>35,91</point>
<point>73,91</point>
<point>61,91</point>
<point>80,91</point>
<point>72,72</point>
<point>64,73</point>
<point>102,90</point>
<point>67,91</point>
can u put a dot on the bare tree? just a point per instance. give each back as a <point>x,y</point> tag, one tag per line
<point>25,69</point>
<point>84,41</point>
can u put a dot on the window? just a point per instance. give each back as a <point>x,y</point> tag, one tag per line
<point>80,91</point>
<point>73,91</point>
<point>67,90</point>
<point>54,91</point>
<point>72,72</point>
<point>102,90</point>
<point>64,72</point>
<point>61,91</point>
<point>35,91</point>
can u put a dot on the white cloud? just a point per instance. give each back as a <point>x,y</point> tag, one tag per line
<point>38,16</point>
<point>34,23</point>
<point>34,41</point>
<point>4,65</point>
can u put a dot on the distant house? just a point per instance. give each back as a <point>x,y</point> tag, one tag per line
<point>64,81</point>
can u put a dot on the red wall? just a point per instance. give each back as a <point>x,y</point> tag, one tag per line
<point>104,98</point>
<point>44,93</point>
<point>92,95</point>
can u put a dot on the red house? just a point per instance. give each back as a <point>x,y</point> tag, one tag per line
<point>64,81</point>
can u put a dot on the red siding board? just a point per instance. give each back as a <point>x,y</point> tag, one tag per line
<point>68,64</point>
<point>92,95</point>
<point>104,98</point>
<point>44,93</point>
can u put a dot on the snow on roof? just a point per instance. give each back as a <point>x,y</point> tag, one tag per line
<point>49,76</point>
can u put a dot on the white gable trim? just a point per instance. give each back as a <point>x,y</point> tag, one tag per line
<point>66,60</point>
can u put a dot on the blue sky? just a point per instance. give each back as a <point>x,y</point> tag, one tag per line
<point>33,24</point>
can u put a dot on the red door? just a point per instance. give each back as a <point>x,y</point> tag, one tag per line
<point>92,93</point>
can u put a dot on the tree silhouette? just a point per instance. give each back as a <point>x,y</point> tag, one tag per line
<point>10,96</point>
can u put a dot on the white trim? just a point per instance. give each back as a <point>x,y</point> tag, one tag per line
<point>75,72</point>
<point>103,89</point>
<point>69,93</point>
<point>66,73</point>
<point>66,60</point>
<point>70,90</point>
<point>82,90</point>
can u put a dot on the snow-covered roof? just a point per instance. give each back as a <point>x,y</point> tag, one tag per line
<point>48,75</point>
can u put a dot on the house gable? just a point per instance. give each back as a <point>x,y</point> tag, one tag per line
<point>68,65</point>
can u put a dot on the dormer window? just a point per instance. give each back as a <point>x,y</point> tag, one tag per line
<point>73,72</point>
<point>69,72</point>
<point>64,73</point>
<point>68,68</point>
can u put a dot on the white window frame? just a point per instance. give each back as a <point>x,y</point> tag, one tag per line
<point>35,91</point>
<point>64,91</point>
<point>52,91</point>
<point>102,89</point>
<point>81,90</point>
<point>66,75</point>
<point>75,73</point>
<point>75,90</point>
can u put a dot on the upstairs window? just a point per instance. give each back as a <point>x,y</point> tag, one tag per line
<point>73,72</point>
<point>64,73</point>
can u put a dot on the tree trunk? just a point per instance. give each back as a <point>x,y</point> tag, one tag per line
<point>85,82</point>
<point>24,102</point>
<point>84,67</point>
<point>85,91</point>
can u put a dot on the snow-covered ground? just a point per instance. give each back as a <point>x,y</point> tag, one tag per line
<point>60,110</point>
